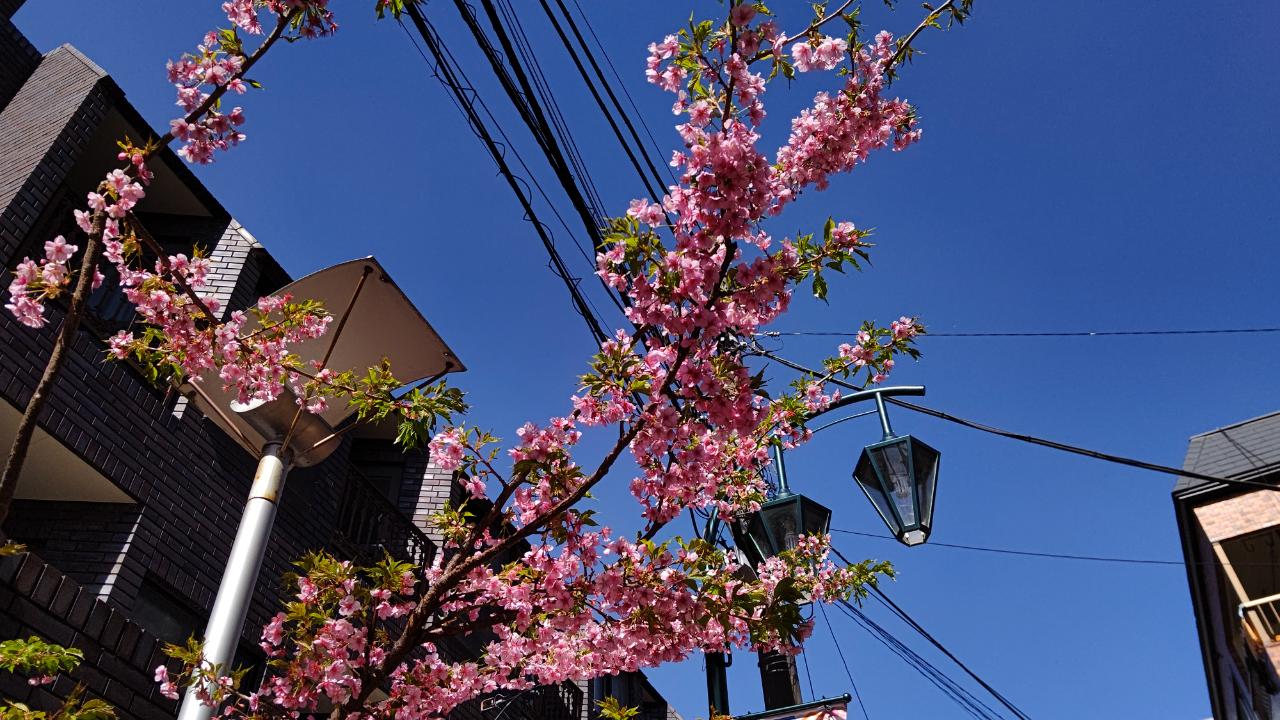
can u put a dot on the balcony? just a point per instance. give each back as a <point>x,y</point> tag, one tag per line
<point>370,525</point>
<point>1261,619</point>
<point>545,702</point>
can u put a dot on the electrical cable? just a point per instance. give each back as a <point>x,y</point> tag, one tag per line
<point>879,594</point>
<point>506,144</point>
<point>443,70</point>
<point>630,100</point>
<point>804,657</point>
<point>949,687</point>
<point>1022,437</point>
<point>459,98</point>
<point>840,651</point>
<point>525,99</point>
<point>655,191</point>
<point>1080,333</point>
<point>561,127</point>
<point>1027,553</point>
<point>1076,450</point>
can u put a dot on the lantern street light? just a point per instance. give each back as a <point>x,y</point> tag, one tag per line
<point>780,521</point>
<point>899,475</point>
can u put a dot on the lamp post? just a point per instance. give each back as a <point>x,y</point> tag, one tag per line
<point>898,474</point>
<point>377,321</point>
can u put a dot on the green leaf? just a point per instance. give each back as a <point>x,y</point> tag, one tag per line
<point>820,287</point>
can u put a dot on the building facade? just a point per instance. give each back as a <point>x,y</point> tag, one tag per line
<point>130,498</point>
<point>1231,544</point>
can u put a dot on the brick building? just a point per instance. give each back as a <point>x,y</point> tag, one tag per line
<point>1231,545</point>
<point>130,497</point>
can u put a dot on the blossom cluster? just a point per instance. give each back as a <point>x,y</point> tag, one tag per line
<point>34,282</point>
<point>555,596</point>
<point>839,131</point>
<point>196,77</point>
<point>215,68</point>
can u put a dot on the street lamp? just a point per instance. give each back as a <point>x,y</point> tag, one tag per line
<point>901,468</point>
<point>899,475</point>
<point>376,321</point>
<point>780,521</point>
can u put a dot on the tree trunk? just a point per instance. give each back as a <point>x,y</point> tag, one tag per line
<point>57,358</point>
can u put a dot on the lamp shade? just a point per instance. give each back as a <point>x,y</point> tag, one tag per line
<point>900,477</point>
<point>381,322</point>
<point>778,524</point>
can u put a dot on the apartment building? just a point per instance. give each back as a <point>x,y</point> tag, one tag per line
<point>1231,543</point>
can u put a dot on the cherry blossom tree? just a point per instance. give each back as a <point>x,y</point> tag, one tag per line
<point>553,595</point>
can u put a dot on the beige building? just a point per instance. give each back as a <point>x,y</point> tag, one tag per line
<point>1231,544</point>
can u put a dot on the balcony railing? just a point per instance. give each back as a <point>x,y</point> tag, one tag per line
<point>1263,618</point>
<point>545,702</point>
<point>369,524</point>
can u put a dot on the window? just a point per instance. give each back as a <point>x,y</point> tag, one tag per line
<point>164,615</point>
<point>173,620</point>
<point>381,463</point>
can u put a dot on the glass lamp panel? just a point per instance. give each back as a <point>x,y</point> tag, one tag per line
<point>816,519</point>
<point>868,478</point>
<point>782,522</point>
<point>893,460</point>
<point>748,533</point>
<point>925,459</point>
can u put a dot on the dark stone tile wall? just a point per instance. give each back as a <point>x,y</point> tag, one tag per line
<point>43,130</point>
<point>86,540</point>
<point>17,57</point>
<point>120,657</point>
<point>188,480</point>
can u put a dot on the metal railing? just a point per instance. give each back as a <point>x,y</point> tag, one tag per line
<point>369,524</point>
<point>1263,618</point>
<point>545,702</point>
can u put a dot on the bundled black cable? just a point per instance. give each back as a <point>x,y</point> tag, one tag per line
<point>445,70</point>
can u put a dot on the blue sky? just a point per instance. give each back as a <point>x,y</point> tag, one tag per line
<point>1096,165</point>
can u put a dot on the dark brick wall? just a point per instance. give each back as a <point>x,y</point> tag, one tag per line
<point>87,541</point>
<point>187,479</point>
<point>9,7</point>
<point>17,57</point>
<point>120,657</point>
<point>43,130</point>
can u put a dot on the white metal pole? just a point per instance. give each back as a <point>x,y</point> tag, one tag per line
<point>226,621</point>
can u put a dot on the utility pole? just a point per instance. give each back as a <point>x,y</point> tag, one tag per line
<point>778,678</point>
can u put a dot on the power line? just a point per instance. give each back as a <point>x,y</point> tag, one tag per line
<point>1026,553</point>
<point>902,615</point>
<point>1023,437</point>
<point>543,88</point>
<point>1076,450</point>
<point>967,701</point>
<point>630,101</point>
<point>525,100</point>
<point>1079,333</point>
<point>804,657</point>
<point>505,145</point>
<point>840,651</point>
<point>655,191</point>
<point>444,71</point>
